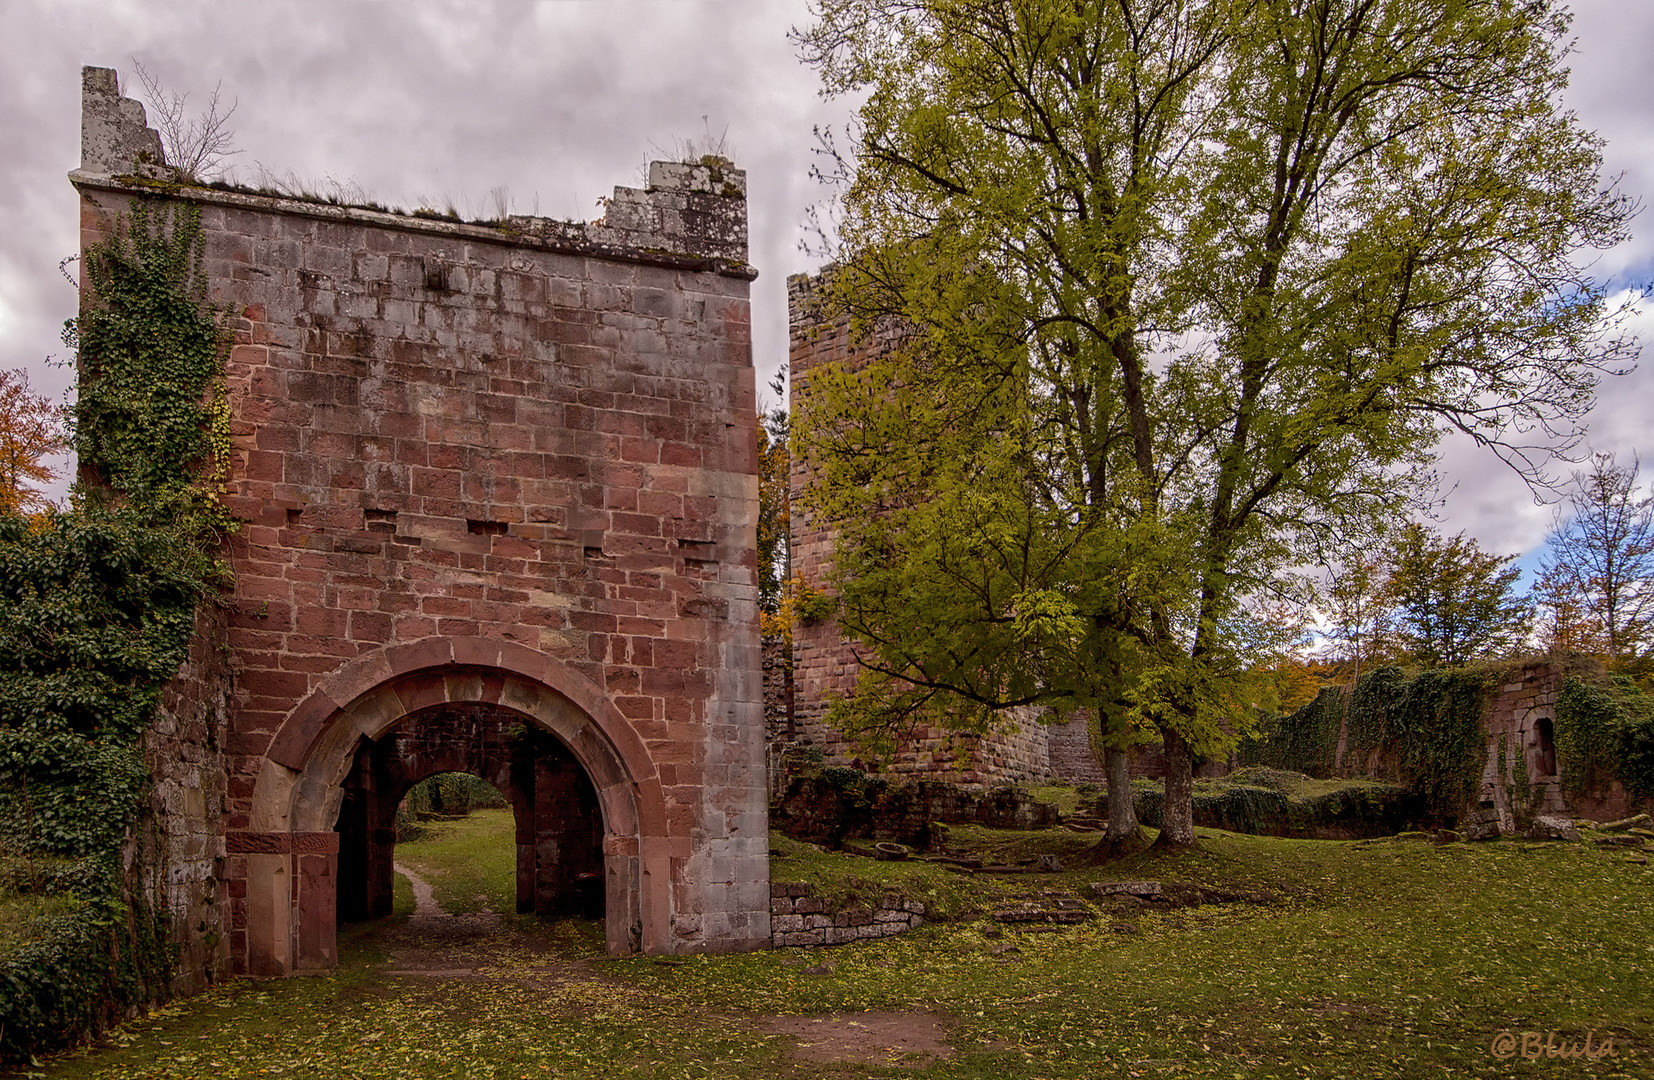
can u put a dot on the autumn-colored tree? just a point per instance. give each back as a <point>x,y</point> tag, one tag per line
<point>1597,584</point>
<point>1563,623</point>
<point>1452,600</point>
<point>1357,610</point>
<point>31,429</point>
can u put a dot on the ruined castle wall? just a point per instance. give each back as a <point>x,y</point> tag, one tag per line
<point>824,664</point>
<point>1071,755</point>
<point>453,440</point>
<point>182,832</point>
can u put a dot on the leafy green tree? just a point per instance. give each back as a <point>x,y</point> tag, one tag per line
<point>1597,576</point>
<point>1453,602</point>
<point>1177,295</point>
<point>774,512</point>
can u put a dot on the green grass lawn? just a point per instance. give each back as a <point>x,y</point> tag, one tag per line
<point>1398,958</point>
<point>471,862</point>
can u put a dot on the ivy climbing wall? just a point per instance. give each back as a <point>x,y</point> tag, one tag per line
<point>1490,747</point>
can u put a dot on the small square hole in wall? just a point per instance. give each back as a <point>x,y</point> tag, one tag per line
<point>295,515</point>
<point>486,528</point>
<point>380,520</point>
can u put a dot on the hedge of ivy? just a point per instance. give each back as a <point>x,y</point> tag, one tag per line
<point>1425,728</point>
<point>97,607</point>
<point>1604,732</point>
<point>1252,804</point>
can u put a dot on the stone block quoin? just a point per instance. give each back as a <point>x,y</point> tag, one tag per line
<point>530,432</point>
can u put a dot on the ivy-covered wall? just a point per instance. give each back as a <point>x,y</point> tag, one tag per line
<point>100,604</point>
<point>1505,742</point>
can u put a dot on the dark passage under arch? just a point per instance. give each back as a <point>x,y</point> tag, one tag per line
<point>559,824</point>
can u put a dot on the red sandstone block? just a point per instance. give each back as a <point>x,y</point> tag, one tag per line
<point>277,684</point>
<point>636,524</point>
<point>321,622</point>
<point>415,655</point>
<point>414,627</point>
<point>445,605</point>
<point>309,664</point>
<point>370,627</point>
<point>641,708</point>
<point>592,621</point>
<point>247,742</point>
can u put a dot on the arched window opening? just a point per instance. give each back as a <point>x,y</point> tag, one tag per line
<point>1545,747</point>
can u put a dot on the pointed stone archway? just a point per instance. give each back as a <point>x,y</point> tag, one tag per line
<point>290,849</point>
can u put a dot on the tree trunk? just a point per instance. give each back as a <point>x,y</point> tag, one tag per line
<point>1122,817</point>
<point>1177,812</point>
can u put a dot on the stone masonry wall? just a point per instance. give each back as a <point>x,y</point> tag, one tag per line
<point>799,917</point>
<point>1071,755</point>
<point>1512,727</point>
<point>183,829</point>
<point>824,665</point>
<point>534,433</point>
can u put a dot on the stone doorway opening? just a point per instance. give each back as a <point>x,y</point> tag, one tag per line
<point>555,808</point>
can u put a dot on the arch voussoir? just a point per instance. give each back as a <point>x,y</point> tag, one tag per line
<point>318,743</point>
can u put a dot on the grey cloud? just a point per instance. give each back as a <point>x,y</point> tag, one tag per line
<point>561,101</point>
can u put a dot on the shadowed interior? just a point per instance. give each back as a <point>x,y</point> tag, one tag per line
<point>559,824</point>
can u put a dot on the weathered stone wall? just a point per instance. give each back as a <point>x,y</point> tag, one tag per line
<point>824,666</point>
<point>1517,714</point>
<point>1071,755</point>
<point>801,918</point>
<point>778,687</point>
<point>182,834</point>
<point>830,806</point>
<point>524,448</point>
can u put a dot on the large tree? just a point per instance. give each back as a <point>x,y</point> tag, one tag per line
<point>1179,295</point>
<point>31,430</point>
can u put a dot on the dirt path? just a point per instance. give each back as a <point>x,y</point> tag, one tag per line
<point>436,943</point>
<point>425,906</point>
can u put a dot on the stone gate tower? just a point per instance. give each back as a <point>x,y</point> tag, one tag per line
<point>498,491</point>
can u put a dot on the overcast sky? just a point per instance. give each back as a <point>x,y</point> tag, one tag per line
<point>558,101</point>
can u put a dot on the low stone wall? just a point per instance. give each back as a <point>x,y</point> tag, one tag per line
<point>799,917</point>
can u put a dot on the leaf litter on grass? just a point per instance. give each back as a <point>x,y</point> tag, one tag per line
<point>1387,960</point>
